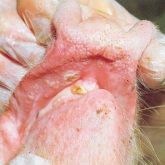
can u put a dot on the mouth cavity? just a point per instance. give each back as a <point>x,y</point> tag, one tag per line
<point>49,90</point>
<point>42,84</point>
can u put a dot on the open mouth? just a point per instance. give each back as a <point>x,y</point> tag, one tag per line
<point>47,80</point>
<point>78,105</point>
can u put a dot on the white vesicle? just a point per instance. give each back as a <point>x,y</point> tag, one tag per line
<point>71,75</point>
<point>52,83</point>
<point>90,84</point>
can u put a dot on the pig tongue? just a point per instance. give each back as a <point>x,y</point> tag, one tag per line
<point>76,126</point>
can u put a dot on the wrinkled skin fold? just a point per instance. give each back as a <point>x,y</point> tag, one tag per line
<point>78,103</point>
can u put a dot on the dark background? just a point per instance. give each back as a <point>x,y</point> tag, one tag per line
<point>153,10</point>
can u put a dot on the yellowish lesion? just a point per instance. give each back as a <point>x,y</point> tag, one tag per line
<point>72,77</point>
<point>103,110</point>
<point>78,89</point>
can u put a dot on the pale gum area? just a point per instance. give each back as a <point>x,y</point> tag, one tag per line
<point>148,59</point>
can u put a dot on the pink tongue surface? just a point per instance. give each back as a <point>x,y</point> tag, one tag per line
<point>84,128</point>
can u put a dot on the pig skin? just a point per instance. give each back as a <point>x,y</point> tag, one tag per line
<point>92,57</point>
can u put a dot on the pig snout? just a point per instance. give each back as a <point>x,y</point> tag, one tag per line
<point>78,105</point>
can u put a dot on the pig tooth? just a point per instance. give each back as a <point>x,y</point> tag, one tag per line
<point>78,89</point>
